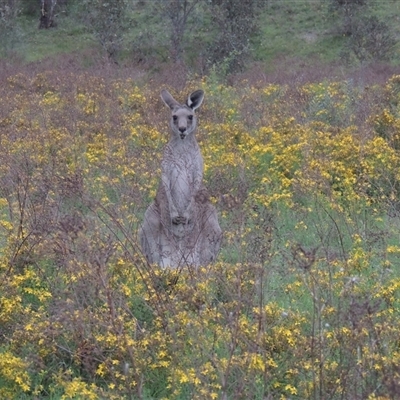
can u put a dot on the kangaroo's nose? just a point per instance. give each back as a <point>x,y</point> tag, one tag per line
<point>182,129</point>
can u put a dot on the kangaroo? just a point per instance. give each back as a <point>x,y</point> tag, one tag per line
<point>181,226</point>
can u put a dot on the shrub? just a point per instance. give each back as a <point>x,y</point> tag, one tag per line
<point>371,40</point>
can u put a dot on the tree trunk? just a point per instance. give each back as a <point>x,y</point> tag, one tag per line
<point>47,8</point>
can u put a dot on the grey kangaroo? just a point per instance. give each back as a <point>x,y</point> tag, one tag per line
<point>181,226</point>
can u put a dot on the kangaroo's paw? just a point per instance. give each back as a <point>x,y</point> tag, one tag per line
<point>179,220</point>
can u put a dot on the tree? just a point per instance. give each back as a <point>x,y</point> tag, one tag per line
<point>237,22</point>
<point>368,37</point>
<point>47,13</point>
<point>349,11</point>
<point>371,39</point>
<point>108,22</point>
<point>178,13</point>
<point>9,10</point>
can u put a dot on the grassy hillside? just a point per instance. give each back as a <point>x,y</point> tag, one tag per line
<point>306,31</point>
<point>312,29</point>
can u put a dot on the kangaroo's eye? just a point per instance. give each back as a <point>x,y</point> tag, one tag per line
<point>174,117</point>
<point>190,117</point>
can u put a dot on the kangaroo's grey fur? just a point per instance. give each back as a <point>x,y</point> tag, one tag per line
<point>181,226</point>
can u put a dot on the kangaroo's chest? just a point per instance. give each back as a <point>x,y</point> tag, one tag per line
<point>183,170</point>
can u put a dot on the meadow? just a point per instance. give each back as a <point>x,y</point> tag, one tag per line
<point>303,301</point>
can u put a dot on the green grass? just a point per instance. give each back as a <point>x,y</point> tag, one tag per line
<point>35,44</point>
<point>303,30</point>
<point>292,29</point>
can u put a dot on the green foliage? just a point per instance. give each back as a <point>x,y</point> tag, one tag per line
<point>181,14</point>
<point>349,12</point>
<point>370,39</point>
<point>237,21</point>
<point>9,11</point>
<point>108,21</point>
<point>228,34</point>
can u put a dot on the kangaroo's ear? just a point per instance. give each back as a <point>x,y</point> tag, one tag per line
<point>168,99</point>
<point>195,99</point>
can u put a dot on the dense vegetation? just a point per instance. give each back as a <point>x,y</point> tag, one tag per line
<point>304,299</point>
<point>225,34</point>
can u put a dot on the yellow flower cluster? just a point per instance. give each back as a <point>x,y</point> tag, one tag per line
<point>305,296</point>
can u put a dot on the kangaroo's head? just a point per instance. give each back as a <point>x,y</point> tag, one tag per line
<point>183,118</point>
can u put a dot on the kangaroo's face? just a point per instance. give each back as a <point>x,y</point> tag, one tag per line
<point>183,121</point>
<point>183,118</point>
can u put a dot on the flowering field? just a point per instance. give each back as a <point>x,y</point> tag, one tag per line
<point>304,300</point>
